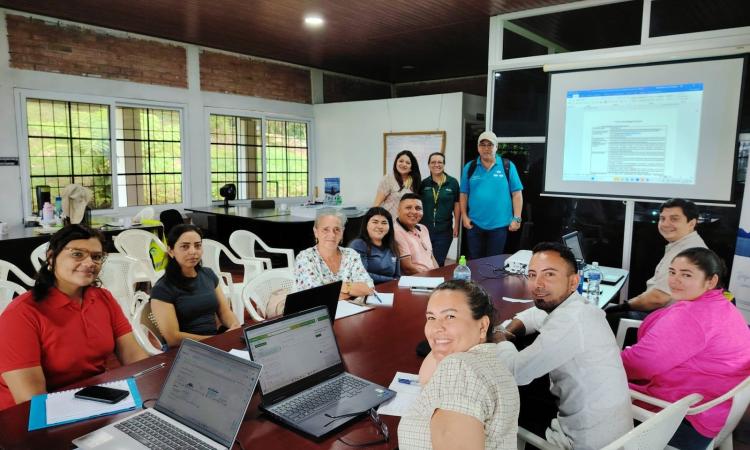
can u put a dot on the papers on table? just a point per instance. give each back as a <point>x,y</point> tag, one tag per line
<point>406,395</point>
<point>244,354</point>
<point>382,299</point>
<point>420,282</point>
<point>346,309</point>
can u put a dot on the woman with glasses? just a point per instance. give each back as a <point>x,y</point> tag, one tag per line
<point>404,178</point>
<point>469,399</point>
<point>376,246</point>
<point>66,327</point>
<point>442,211</point>
<point>328,262</point>
<point>188,301</point>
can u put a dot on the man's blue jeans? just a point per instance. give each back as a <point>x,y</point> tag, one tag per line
<point>483,243</point>
<point>441,243</point>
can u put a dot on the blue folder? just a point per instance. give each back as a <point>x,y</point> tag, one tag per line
<point>38,409</point>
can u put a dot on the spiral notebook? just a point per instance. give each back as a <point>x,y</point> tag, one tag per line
<point>62,407</point>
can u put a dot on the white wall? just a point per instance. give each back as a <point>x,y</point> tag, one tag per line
<point>349,138</point>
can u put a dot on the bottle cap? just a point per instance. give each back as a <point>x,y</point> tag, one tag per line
<point>462,260</point>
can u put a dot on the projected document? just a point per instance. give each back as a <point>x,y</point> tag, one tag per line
<point>646,134</point>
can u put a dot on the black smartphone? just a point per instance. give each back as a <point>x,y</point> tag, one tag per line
<point>102,394</point>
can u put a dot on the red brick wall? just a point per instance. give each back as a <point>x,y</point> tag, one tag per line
<point>52,47</point>
<point>244,76</point>
<point>345,89</point>
<point>476,86</point>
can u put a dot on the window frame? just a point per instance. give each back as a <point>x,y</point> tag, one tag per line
<point>112,103</point>
<point>264,117</point>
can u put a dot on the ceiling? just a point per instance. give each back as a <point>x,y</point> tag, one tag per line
<point>368,38</point>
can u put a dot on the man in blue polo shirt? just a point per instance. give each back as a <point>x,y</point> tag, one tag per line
<point>491,203</point>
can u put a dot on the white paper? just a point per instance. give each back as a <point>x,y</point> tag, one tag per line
<point>383,299</point>
<point>346,309</point>
<point>244,354</point>
<point>517,300</point>
<point>406,395</point>
<point>63,406</point>
<point>420,282</point>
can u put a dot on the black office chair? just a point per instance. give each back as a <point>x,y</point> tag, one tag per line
<point>169,218</point>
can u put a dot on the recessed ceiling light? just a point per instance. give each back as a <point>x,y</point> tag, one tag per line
<point>313,20</point>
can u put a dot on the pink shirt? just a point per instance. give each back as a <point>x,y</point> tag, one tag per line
<point>700,346</point>
<point>415,243</point>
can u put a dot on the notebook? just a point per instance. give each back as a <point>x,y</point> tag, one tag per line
<point>201,405</point>
<point>303,384</point>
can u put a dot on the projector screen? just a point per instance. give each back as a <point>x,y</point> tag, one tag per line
<point>654,131</point>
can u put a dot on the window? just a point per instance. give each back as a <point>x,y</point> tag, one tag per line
<point>69,143</point>
<point>237,157</point>
<point>149,165</point>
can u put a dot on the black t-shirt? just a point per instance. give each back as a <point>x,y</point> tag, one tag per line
<point>196,310</point>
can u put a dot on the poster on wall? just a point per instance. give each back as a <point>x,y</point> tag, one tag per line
<point>333,191</point>
<point>739,282</point>
<point>420,143</point>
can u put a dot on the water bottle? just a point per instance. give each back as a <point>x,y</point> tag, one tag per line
<point>58,206</point>
<point>462,271</point>
<point>594,276</point>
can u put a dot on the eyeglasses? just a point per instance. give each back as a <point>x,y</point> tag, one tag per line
<point>486,144</point>
<point>379,424</point>
<point>79,254</point>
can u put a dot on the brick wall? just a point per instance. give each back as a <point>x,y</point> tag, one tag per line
<point>476,86</point>
<point>345,89</point>
<point>245,76</point>
<point>53,47</point>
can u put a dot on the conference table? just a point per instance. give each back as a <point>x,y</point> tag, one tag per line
<point>374,345</point>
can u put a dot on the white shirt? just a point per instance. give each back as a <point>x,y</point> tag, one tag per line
<point>661,274</point>
<point>577,348</point>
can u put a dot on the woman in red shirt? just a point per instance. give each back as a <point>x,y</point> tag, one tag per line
<point>65,328</point>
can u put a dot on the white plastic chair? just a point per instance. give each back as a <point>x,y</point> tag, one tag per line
<point>212,251</point>
<point>623,327</point>
<point>39,256</point>
<point>8,291</point>
<point>261,288</point>
<point>137,244</point>
<point>243,242</point>
<point>118,276</point>
<point>740,396</point>
<point>8,268</point>
<point>146,213</point>
<point>654,433</point>
<point>145,328</point>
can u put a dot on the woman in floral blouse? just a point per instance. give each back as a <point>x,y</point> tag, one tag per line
<point>328,262</point>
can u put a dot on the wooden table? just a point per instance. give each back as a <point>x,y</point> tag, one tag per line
<point>374,344</point>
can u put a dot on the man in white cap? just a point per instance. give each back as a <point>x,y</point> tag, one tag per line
<point>491,199</point>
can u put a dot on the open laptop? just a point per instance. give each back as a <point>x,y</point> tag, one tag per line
<point>201,405</point>
<point>573,242</point>
<point>326,295</point>
<point>303,384</point>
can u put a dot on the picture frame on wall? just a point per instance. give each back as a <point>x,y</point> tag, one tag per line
<point>420,143</point>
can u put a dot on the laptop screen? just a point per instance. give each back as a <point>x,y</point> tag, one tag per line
<point>293,348</point>
<point>573,241</point>
<point>209,391</point>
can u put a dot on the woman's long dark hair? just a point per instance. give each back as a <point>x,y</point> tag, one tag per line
<point>389,240</point>
<point>173,271</point>
<point>45,278</point>
<point>416,177</point>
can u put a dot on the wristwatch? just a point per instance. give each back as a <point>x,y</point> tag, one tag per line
<point>517,219</point>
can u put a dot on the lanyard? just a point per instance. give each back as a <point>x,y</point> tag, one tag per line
<point>435,195</point>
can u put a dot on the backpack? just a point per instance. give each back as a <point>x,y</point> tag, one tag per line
<point>506,168</point>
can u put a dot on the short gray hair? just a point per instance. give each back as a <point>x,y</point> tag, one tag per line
<point>330,212</point>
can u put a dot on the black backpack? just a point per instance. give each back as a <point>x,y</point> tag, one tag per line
<point>506,168</point>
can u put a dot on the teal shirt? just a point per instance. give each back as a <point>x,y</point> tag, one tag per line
<point>439,216</point>
<point>490,204</point>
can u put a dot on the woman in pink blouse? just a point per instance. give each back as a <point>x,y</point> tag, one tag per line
<point>698,344</point>
<point>404,178</point>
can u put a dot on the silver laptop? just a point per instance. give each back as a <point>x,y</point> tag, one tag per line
<point>303,384</point>
<point>201,405</point>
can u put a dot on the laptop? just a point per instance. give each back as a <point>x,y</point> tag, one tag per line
<point>201,405</point>
<point>573,242</point>
<point>303,384</point>
<point>326,295</point>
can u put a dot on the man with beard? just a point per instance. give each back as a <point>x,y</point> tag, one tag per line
<point>413,239</point>
<point>576,348</point>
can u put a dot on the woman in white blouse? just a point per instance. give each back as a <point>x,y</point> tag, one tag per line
<point>328,261</point>
<point>404,178</point>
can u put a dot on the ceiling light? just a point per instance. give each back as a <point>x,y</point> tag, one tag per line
<point>407,67</point>
<point>313,21</point>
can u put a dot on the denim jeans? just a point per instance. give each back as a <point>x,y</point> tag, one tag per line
<point>441,243</point>
<point>483,243</point>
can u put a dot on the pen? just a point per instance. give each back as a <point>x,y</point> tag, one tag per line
<point>408,381</point>
<point>421,289</point>
<point>150,369</point>
<point>377,297</point>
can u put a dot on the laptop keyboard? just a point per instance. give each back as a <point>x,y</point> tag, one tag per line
<point>156,433</point>
<point>305,405</point>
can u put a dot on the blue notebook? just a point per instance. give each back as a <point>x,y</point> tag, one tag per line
<point>71,409</point>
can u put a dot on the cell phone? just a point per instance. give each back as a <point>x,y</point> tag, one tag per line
<point>102,394</point>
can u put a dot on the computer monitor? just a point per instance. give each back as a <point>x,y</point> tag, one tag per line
<point>573,241</point>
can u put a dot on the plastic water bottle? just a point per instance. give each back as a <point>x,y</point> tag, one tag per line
<point>462,271</point>
<point>58,206</point>
<point>594,276</point>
